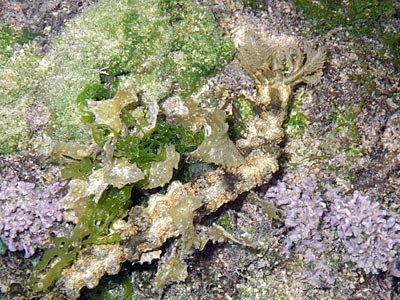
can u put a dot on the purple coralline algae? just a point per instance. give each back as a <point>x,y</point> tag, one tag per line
<point>370,237</point>
<point>28,210</point>
<point>303,213</point>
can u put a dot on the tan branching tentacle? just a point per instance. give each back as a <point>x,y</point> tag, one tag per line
<point>311,71</point>
<point>283,66</point>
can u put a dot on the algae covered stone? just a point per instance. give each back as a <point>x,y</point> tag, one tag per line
<point>17,84</point>
<point>162,47</point>
<point>10,40</point>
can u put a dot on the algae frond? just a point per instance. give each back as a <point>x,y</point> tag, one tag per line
<point>217,148</point>
<point>93,227</point>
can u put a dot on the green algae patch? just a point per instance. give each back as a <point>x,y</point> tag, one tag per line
<point>297,122</point>
<point>18,80</point>
<point>101,187</point>
<point>3,248</point>
<point>244,109</point>
<point>139,40</point>
<point>151,148</point>
<point>9,39</point>
<point>254,4</point>
<point>243,112</point>
<point>360,17</point>
<point>162,47</point>
<point>341,143</point>
<point>116,287</point>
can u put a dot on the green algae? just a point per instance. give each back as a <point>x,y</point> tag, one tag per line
<point>3,248</point>
<point>297,122</point>
<point>151,148</point>
<point>184,139</point>
<point>235,129</point>
<point>123,58</point>
<point>148,36</point>
<point>344,127</point>
<point>244,109</point>
<point>344,138</point>
<point>114,288</point>
<point>17,83</point>
<point>224,221</point>
<point>254,4</point>
<point>366,79</point>
<point>360,17</point>
<point>243,112</point>
<point>9,39</point>
<point>93,228</point>
<point>341,147</point>
<point>102,183</point>
<point>100,195</point>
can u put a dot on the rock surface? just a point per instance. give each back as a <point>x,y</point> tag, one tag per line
<point>342,130</point>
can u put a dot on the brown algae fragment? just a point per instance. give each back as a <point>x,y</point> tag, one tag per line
<point>67,152</point>
<point>118,174</point>
<point>217,148</point>
<point>108,112</point>
<point>171,269</point>
<point>170,214</point>
<point>160,173</point>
